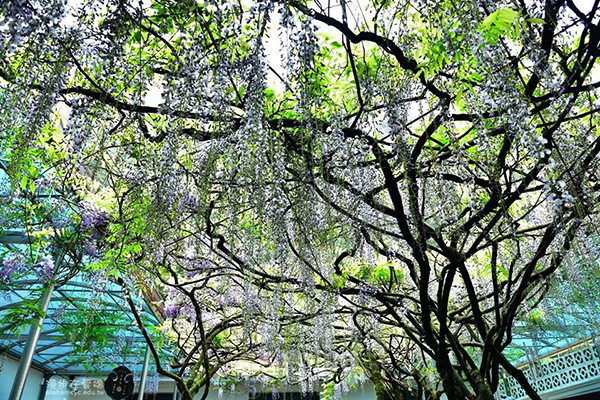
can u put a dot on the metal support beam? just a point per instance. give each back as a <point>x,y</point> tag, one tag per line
<point>44,387</point>
<point>15,237</point>
<point>175,391</point>
<point>32,338</point>
<point>29,350</point>
<point>144,376</point>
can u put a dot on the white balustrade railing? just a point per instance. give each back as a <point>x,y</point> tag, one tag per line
<point>573,366</point>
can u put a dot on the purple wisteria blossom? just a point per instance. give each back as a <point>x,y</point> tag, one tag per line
<point>14,263</point>
<point>46,267</point>
<point>61,221</point>
<point>93,217</point>
<point>90,249</point>
<point>172,310</point>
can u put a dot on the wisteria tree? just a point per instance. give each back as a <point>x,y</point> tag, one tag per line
<point>224,325</point>
<point>414,173</point>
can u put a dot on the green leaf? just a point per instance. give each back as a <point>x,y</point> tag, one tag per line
<point>459,94</point>
<point>137,36</point>
<point>536,21</point>
<point>502,18</point>
<point>508,15</point>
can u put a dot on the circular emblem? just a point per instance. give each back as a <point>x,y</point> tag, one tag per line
<point>119,384</point>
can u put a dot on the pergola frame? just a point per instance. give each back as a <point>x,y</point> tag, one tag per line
<point>42,346</point>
